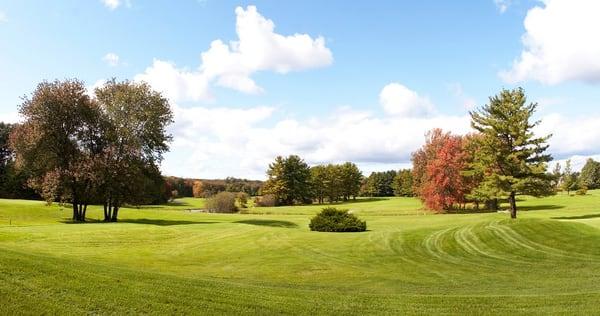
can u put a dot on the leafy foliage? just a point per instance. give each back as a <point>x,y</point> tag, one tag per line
<point>289,181</point>
<point>379,184</point>
<point>403,183</point>
<point>223,202</point>
<point>590,175</point>
<point>331,219</point>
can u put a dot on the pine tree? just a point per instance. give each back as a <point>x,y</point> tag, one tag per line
<point>515,160</point>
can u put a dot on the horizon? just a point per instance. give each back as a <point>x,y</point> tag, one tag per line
<point>249,81</point>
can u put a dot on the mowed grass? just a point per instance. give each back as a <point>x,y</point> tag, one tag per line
<point>169,260</point>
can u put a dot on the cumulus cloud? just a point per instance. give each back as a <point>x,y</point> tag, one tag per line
<point>219,142</point>
<point>111,59</point>
<point>216,142</point>
<point>397,99</point>
<point>212,148</point>
<point>560,44</point>
<point>231,65</point>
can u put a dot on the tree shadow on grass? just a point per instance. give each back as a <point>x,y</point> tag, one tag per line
<point>145,221</point>
<point>539,207</point>
<point>268,222</point>
<point>161,222</point>
<point>578,217</point>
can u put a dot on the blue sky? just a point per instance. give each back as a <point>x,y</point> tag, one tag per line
<point>331,81</point>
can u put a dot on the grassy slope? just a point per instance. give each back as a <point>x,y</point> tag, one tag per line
<point>168,260</point>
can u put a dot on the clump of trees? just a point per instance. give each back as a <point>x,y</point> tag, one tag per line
<point>501,160</point>
<point>292,181</point>
<point>331,219</point>
<point>104,149</point>
<point>13,182</point>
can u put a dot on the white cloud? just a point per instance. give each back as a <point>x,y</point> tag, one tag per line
<point>232,64</point>
<point>3,17</point>
<point>176,84</point>
<point>216,142</point>
<point>220,142</point>
<point>502,5</point>
<point>112,4</point>
<point>10,117</point>
<point>573,135</point>
<point>466,101</point>
<point>397,99</point>
<point>560,43</point>
<point>111,59</point>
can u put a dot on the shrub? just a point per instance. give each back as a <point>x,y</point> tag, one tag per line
<point>223,202</point>
<point>331,219</point>
<point>581,191</point>
<point>266,200</point>
<point>243,199</point>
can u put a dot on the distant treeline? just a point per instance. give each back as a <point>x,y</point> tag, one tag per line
<point>186,187</point>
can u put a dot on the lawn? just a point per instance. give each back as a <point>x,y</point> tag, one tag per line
<point>170,260</point>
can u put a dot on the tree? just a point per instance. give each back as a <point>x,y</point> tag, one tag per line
<point>58,141</point>
<point>403,183</point>
<point>556,176</point>
<point>590,175</point>
<point>517,158</point>
<point>442,185</point>
<point>197,189</point>
<point>569,178</point>
<point>289,180</point>
<point>134,139</point>
<point>379,184</point>
<point>350,178</point>
<point>318,180</point>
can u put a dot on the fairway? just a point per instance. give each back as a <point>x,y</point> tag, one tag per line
<point>167,259</point>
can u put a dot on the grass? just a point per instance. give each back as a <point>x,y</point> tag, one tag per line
<point>167,260</point>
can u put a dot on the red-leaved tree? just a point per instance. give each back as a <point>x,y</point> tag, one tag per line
<point>439,167</point>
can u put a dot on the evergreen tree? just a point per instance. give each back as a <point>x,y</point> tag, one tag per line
<point>289,180</point>
<point>515,159</point>
<point>569,178</point>
<point>403,183</point>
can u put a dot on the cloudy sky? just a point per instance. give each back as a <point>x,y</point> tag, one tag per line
<point>330,81</point>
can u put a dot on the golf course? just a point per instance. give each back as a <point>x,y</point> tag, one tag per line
<point>176,259</point>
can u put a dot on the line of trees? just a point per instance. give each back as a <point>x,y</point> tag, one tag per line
<point>568,180</point>
<point>202,188</point>
<point>388,183</point>
<point>292,181</point>
<point>501,160</point>
<point>80,149</point>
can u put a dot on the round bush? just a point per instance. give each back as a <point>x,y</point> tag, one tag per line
<point>331,219</point>
<point>223,202</point>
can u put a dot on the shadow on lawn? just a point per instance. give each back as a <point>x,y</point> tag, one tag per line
<point>578,217</point>
<point>268,222</point>
<point>145,221</point>
<point>539,207</point>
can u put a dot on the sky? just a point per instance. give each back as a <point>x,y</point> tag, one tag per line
<point>331,81</point>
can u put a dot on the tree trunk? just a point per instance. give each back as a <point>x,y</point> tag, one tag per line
<point>84,212</point>
<point>105,211</point>
<point>114,214</point>
<point>75,211</point>
<point>513,205</point>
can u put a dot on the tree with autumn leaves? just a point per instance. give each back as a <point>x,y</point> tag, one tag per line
<point>82,149</point>
<point>501,160</point>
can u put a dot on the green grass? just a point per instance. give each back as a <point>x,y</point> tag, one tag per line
<point>168,260</point>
